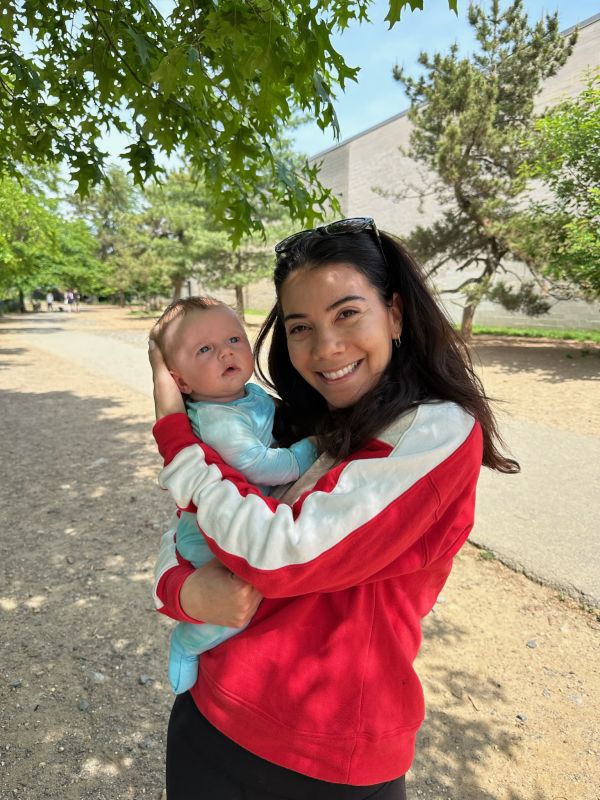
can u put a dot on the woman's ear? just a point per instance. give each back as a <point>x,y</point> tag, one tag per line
<point>181,384</point>
<point>395,309</point>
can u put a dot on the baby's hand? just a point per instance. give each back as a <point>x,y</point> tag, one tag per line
<point>167,397</point>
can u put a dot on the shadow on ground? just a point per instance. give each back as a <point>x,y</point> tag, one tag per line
<point>83,702</point>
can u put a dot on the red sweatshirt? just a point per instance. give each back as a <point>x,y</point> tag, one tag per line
<point>321,681</point>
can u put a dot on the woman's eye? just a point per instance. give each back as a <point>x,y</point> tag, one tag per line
<point>348,312</point>
<point>297,329</point>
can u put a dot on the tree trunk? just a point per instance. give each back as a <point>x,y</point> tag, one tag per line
<point>466,327</point>
<point>177,287</point>
<point>239,289</point>
<point>22,308</point>
<point>239,302</point>
<point>121,298</point>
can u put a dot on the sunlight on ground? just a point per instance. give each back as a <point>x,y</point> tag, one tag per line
<point>94,767</point>
<point>113,562</point>
<point>37,601</point>
<point>8,604</point>
<point>142,577</point>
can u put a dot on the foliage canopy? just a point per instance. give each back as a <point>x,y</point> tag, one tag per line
<point>214,80</point>
<point>565,155</point>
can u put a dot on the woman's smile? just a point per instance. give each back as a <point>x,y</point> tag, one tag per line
<point>343,372</point>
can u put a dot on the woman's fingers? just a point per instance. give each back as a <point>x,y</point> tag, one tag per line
<point>247,599</point>
<point>212,594</point>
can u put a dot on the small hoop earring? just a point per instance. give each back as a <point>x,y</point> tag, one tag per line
<point>397,342</point>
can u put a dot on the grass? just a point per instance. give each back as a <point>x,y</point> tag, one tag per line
<point>256,312</point>
<point>143,313</point>
<point>572,334</point>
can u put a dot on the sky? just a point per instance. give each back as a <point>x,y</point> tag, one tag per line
<point>376,49</point>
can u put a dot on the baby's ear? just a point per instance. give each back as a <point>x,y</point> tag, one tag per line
<point>181,384</point>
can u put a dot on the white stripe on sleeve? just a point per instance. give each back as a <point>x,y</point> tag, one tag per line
<point>248,528</point>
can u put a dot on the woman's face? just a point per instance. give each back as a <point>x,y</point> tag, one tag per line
<point>339,331</point>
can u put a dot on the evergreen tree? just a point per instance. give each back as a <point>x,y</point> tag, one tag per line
<point>470,116</point>
<point>109,210</point>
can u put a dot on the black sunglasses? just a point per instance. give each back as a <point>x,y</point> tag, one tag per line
<point>350,225</point>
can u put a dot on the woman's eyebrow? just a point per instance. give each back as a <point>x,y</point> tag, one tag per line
<point>346,299</point>
<point>337,303</point>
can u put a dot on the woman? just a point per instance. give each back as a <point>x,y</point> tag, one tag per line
<point>318,698</point>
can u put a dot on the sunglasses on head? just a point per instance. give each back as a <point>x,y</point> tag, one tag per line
<point>350,225</point>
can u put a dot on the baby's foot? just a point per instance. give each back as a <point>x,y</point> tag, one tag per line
<point>183,669</point>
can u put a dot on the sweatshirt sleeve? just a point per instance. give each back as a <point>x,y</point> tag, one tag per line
<point>361,517</point>
<point>170,572</point>
<point>240,447</point>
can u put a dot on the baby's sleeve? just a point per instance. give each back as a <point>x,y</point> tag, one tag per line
<point>241,448</point>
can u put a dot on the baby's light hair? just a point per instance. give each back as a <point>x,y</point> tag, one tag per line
<point>175,310</point>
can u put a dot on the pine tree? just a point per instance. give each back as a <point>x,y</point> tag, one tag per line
<point>470,117</point>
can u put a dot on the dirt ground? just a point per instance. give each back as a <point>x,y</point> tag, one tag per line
<point>510,668</point>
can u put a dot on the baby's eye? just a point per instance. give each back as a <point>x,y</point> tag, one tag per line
<point>234,339</point>
<point>204,349</point>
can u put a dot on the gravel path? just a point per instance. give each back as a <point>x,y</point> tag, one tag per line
<point>510,669</point>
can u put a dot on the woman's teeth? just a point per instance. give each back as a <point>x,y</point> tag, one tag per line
<point>339,373</point>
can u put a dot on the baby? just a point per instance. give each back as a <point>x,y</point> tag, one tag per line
<point>208,354</point>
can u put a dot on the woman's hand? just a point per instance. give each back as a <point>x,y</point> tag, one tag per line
<point>167,397</point>
<point>214,594</point>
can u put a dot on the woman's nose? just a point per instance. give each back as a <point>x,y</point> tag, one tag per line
<point>326,344</point>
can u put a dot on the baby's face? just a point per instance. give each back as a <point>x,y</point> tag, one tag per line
<point>209,355</point>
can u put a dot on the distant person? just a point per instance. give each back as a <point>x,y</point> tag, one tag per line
<point>69,298</point>
<point>209,357</point>
<point>49,301</point>
<point>76,299</point>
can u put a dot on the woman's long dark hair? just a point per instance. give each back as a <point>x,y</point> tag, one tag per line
<point>432,363</point>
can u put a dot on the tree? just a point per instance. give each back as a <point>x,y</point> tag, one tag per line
<point>28,234</point>
<point>228,268</point>
<point>565,156</point>
<point>109,210</point>
<point>469,118</point>
<point>178,228</point>
<point>75,263</point>
<point>216,80</point>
